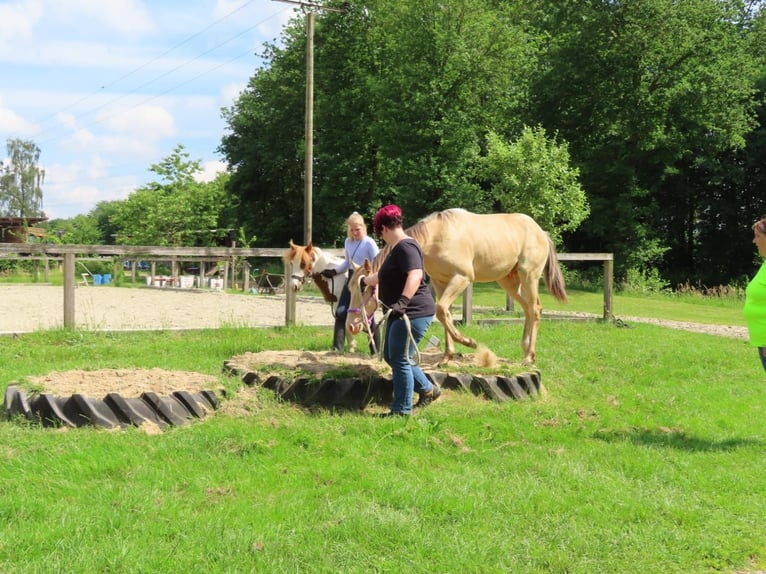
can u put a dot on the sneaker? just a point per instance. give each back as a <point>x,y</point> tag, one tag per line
<point>426,399</point>
<point>393,414</point>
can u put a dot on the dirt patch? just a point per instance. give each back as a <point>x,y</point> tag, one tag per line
<point>320,363</point>
<point>128,383</point>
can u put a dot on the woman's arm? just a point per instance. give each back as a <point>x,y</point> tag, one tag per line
<point>411,284</point>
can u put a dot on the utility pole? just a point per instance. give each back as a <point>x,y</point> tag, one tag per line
<point>309,8</point>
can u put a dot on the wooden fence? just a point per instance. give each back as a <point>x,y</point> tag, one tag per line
<point>232,257</point>
<point>607,258</point>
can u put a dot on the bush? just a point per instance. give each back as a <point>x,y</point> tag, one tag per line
<point>644,282</point>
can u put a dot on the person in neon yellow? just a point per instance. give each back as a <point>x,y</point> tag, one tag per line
<point>755,296</point>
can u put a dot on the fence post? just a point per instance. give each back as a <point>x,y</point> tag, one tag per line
<point>468,305</point>
<point>608,284</point>
<point>69,286</point>
<point>290,298</point>
<point>245,276</point>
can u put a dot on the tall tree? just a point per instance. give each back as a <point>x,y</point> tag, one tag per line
<point>21,180</point>
<point>644,91</point>
<point>404,96</point>
<point>176,211</point>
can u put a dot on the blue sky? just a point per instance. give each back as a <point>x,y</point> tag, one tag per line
<point>106,88</point>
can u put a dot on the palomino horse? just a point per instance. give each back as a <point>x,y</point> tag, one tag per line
<point>460,247</point>
<point>304,261</point>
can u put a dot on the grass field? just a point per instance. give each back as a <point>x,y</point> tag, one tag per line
<point>646,455</point>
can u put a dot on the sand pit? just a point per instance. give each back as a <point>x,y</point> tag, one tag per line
<point>27,308</point>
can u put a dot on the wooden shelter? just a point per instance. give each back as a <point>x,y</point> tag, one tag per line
<point>19,229</point>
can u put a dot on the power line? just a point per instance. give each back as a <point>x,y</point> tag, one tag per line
<point>160,76</point>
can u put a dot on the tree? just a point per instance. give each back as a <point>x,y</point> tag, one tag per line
<point>533,175</point>
<point>78,230</point>
<point>404,95</point>
<point>644,92</point>
<point>21,180</point>
<point>178,211</point>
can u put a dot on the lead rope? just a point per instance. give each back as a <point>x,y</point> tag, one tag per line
<point>365,316</point>
<point>410,336</point>
<point>384,325</point>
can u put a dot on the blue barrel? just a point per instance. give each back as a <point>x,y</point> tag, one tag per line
<point>97,279</point>
<point>107,277</point>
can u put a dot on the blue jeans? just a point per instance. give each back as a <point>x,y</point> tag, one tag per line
<point>762,355</point>
<point>396,352</point>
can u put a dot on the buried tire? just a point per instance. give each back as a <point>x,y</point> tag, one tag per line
<point>356,393</point>
<point>113,411</point>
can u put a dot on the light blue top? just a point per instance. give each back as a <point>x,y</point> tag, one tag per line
<point>357,251</point>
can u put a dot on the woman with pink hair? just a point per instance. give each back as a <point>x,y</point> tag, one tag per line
<point>403,291</point>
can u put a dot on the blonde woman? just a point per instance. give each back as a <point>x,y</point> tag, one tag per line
<point>358,247</point>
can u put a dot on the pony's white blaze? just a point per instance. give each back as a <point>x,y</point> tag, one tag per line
<point>363,303</point>
<point>304,261</point>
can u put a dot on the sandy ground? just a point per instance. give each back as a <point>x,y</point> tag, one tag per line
<point>26,308</point>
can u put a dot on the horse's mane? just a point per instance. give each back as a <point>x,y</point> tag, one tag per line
<point>420,231</point>
<point>290,253</point>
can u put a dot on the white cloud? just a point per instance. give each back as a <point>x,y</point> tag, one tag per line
<point>13,123</point>
<point>18,19</point>
<point>230,93</point>
<point>65,194</point>
<point>210,169</point>
<point>106,89</point>
<point>128,17</point>
<point>149,122</point>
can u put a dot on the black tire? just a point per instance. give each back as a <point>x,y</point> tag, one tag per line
<point>358,393</point>
<point>113,411</point>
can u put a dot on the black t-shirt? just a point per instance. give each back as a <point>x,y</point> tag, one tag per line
<point>392,275</point>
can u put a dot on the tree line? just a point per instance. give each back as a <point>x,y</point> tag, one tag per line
<point>658,104</point>
<point>635,127</point>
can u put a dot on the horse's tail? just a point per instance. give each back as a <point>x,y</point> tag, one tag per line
<point>554,278</point>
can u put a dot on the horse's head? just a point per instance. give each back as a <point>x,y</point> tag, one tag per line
<point>363,303</point>
<point>299,261</point>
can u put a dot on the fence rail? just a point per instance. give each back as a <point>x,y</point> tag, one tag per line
<point>235,255</point>
<point>607,258</point>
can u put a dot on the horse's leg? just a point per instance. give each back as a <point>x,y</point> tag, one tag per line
<point>446,296</point>
<point>524,290</point>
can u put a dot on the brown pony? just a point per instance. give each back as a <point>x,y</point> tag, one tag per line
<point>304,261</point>
<point>460,247</point>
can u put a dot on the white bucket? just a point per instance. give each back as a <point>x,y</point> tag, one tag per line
<point>216,283</point>
<point>186,281</point>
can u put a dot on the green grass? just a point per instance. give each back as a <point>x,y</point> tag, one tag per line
<point>713,310</point>
<point>646,455</point>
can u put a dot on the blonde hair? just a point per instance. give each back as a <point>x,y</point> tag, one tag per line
<point>355,219</point>
<point>760,226</point>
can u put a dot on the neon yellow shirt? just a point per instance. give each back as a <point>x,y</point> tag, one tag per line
<point>755,308</point>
